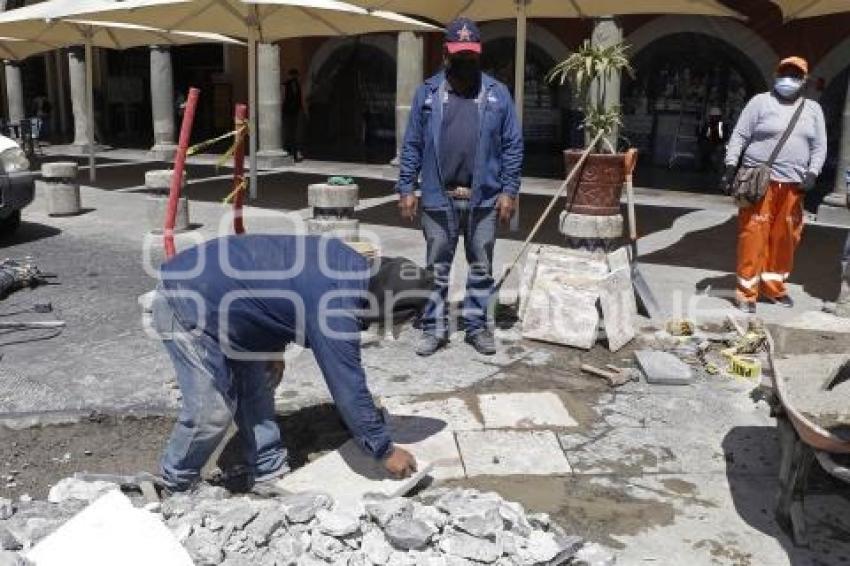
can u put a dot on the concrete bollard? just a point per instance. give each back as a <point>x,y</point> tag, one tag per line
<point>591,227</point>
<point>59,182</point>
<point>158,182</point>
<point>333,210</point>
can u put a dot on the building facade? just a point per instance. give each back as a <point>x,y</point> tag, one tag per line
<point>357,89</point>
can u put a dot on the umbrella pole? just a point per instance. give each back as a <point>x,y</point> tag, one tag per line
<point>252,106</point>
<point>90,107</point>
<point>519,78</point>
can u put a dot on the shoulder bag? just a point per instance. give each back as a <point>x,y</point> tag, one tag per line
<point>751,183</point>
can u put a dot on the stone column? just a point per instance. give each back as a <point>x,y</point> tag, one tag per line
<point>606,33</point>
<point>77,79</point>
<point>833,210</point>
<point>61,103</point>
<point>15,92</point>
<point>269,101</point>
<point>410,61</point>
<point>162,104</point>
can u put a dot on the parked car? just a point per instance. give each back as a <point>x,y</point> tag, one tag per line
<point>17,185</point>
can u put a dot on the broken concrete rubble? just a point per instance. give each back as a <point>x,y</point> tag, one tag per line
<point>458,527</point>
<point>70,488</point>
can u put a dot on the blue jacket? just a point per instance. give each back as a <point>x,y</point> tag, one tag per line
<point>498,162</point>
<point>258,293</point>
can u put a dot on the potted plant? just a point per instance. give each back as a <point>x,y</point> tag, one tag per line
<point>599,185</point>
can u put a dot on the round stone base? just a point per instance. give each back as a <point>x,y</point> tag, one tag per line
<point>63,199</point>
<point>156,208</point>
<point>336,197</point>
<point>591,227</point>
<point>346,229</point>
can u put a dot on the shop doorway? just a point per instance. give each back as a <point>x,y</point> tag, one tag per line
<point>680,80</point>
<point>548,125</point>
<point>352,106</point>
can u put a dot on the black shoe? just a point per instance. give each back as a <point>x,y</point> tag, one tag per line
<point>746,307</point>
<point>429,344</point>
<point>483,341</point>
<point>784,301</point>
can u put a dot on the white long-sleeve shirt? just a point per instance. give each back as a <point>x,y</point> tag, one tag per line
<point>762,124</point>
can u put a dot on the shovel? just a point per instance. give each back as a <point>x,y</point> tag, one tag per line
<point>644,294</point>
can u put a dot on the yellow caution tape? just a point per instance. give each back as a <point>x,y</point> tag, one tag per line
<point>199,147</point>
<point>748,368</point>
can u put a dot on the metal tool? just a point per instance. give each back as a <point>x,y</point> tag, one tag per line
<point>644,294</point>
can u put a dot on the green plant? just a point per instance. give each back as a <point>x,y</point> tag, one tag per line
<point>589,70</point>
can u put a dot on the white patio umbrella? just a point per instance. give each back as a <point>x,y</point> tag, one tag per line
<point>483,10</point>
<point>52,23</point>
<point>794,9</point>
<point>14,49</point>
<point>259,21</point>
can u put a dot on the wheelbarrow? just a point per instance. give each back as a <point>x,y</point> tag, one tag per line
<point>802,443</point>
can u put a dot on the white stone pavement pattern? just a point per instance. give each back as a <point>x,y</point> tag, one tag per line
<point>661,475</point>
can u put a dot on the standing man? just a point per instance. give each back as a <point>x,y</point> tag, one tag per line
<point>293,105</point>
<point>463,149</point>
<point>228,306</point>
<point>770,230</point>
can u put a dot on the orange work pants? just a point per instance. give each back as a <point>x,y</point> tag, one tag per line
<point>768,235</point>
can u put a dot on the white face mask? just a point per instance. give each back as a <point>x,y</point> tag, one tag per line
<point>788,87</point>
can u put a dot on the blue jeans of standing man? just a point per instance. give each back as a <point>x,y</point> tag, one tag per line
<point>443,229</point>
<point>216,391</point>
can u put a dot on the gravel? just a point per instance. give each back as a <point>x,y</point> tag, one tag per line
<point>460,527</point>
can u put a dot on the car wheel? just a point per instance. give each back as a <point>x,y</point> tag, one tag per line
<point>10,224</point>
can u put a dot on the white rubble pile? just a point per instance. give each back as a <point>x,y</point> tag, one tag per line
<point>458,527</point>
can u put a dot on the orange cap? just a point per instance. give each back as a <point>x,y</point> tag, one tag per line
<point>796,62</point>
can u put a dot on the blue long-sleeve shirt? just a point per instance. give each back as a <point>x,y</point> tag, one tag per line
<point>255,294</point>
<point>498,158</point>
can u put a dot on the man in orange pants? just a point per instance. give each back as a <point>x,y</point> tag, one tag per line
<point>770,230</point>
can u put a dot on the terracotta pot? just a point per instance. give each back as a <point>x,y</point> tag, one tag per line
<point>599,185</point>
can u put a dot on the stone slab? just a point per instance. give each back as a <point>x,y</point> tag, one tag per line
<point>619,259</point>
<point>108,532</point>
<point>619,308</point>
<point>507,453</point>
<point>524,410</point>
<point>561,306</point>
<point>661,368</point>
<point>347,474</point>
<point>429,440</point>
<point>454,412</point>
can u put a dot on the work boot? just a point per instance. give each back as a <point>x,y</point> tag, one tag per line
<point>429,344</point>
<point>483,341</point>
<point>784,301</point>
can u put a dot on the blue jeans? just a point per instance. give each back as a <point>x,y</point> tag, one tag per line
<point>443,229</point>
<point>216,391</point>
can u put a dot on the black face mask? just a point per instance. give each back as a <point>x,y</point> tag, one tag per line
<point>465,70</point>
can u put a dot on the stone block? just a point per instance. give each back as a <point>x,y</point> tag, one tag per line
<point>662,368</point>
<point>591,227</point>
<point>65,170</point>
<point>160,179</point>
<point>346,229</point>
<point>273,159</point>
<point>354,474</point>
<point>63,198</point>
<point>322,195</point>
<point>111,531</point>
<point>619,308</point>
<point>430,440</point>
<point>505,453</point>
<point>157,205</point>
<point>524,410</point>
<point>408,534</point>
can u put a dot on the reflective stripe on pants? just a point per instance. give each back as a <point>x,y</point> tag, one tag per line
<point>768,235</point>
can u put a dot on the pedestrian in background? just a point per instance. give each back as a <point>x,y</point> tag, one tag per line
<point>784,125</point>
<point>293,106</point>
<point>464,140</point>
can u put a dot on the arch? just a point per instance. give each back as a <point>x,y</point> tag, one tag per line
<point>760,53</point>
<point>386,43</point>
<point>834,63</point>
<point>537,35</point>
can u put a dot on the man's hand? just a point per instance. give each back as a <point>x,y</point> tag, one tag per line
<point>506,206</point>
<point>727,179</point>
<point>400,463</point>
<point>407,205</point>
<point>809,182</point>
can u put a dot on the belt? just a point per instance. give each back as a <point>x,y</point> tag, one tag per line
<point>461,193</point>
